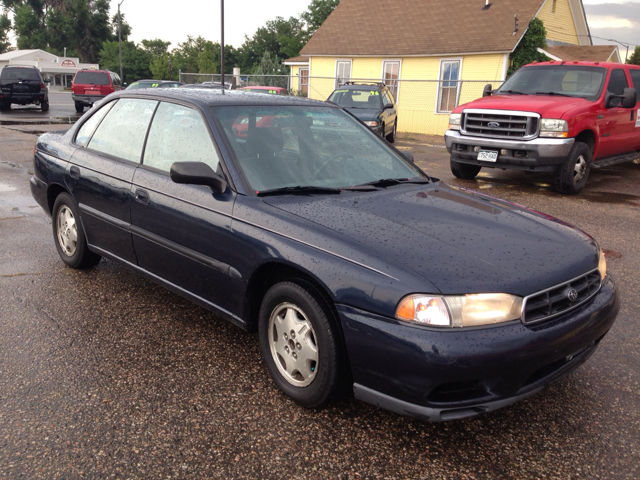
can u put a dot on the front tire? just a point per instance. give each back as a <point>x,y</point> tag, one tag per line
<point>572,175</point>
<point>464,170</point>
<point>302,345</point>
<point>68,234</point>
<point>392,136</point>
<point>79,107</point>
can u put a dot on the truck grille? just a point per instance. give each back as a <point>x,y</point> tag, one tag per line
<point>556,300</point>
<point>500,124</point>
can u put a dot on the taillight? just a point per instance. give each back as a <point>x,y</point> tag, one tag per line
<point>73,88</point>
<point>111,89</point>
<point>41,86</point>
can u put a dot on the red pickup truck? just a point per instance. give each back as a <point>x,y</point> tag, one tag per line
<point>558,117</point>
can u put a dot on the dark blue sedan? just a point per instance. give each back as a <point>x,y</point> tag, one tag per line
<point>361,273</point>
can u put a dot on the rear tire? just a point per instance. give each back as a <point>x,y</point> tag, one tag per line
<point>302,345</point>
<point>572,175</point>
<point>44,106</point>
<point>79,107</point>
<point>68,234</point>
<point>5,106</point>
<point>464,170</point>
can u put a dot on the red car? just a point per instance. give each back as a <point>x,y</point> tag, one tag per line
<point>269,90</point>
<point>91,86</point>
<point>241,125</point>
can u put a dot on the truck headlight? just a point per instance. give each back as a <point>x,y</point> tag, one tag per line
<point>459,310</point>
<point>552,127</point>
<point>454,121</point>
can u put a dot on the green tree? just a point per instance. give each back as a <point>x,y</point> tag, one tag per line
<point>317,13</point>
<point>527,50</point>
<point>268,68</point>
<point>634,58</point>
<point>156,47</point>
<point>136,61</point>
<point>160,67</point>
<point>5,28</point>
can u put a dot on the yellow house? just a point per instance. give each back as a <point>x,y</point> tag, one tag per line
<point>434,54</point>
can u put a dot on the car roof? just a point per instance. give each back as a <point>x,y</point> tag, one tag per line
<point>209,97</point>
<point>584,63</point>
<point>261,87</point>
<point>361,86</point>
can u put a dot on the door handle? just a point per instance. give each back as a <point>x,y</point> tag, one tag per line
<point>142,196</point>
<point>75,172</point>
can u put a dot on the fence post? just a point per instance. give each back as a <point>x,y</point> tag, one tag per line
<point>180,75</point>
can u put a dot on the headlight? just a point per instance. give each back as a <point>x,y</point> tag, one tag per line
<point>454,121</point>
<point>371,124</point>
<point>551,127</point>
<point>460,310</point>
<point>602,264</point>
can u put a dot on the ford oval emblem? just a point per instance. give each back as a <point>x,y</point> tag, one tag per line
<point>572,295</point>
<point>493,124</point>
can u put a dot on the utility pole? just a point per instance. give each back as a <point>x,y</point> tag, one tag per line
<point>221,43</point>
<point>120,39</point>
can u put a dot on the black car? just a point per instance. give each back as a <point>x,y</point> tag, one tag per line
<point>359,271</point>
<point>22,86</point>
<point>210,85</point>
<point>146,83</point>
<point>373,104</point>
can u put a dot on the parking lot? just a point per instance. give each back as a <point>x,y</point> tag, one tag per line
<point>60,105</point>
<point>104,374</point>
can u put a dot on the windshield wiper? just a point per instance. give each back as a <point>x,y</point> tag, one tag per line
<point>554,93</point>
<point>388,182</point>
<point>513,91</point>
<point>299,190</point>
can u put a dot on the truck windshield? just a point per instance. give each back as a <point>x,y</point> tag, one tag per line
<point>564,80</point>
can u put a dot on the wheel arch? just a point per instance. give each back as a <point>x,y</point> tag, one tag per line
<point>272,272</point>
<point>53,191</point>
<point>590,138</point>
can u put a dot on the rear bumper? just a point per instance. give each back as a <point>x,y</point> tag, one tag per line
<point>435,374</point>
<point>87,99</point>
<point>23,98</point>
<point>540,154</point>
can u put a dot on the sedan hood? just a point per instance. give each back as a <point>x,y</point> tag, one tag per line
<point>461,242</point>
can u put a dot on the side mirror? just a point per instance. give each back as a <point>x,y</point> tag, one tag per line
<point>197,173</point>
<point>487,90</point>
<point>389,106</point>
<point>629,99</point>
<point>408,155</point>
<point>47,80</point>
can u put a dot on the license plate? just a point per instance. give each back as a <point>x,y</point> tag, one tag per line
<point>487,155</point>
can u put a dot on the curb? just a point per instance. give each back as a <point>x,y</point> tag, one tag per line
<point>51,121</point>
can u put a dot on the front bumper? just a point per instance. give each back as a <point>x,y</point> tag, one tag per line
<point>435,374</point>
<point>540,154</point>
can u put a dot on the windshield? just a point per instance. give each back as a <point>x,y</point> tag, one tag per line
<point>566,80</point>
<point>137,85</point>
<point>289,146</point>
<point>20,74</point>
<point>356,98</point>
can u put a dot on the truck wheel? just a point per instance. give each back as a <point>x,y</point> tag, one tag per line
<point>5,106</point>
<point>464,170</point>
<point>79,107</point>
<point>571,176</point>
<point>44,106</point>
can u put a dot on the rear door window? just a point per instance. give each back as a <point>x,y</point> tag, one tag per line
<point>179,134</point>
<point>124,128</point>
<point>92,78</point>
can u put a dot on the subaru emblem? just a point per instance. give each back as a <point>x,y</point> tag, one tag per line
<point>493,124</point>
<point>572,295</point>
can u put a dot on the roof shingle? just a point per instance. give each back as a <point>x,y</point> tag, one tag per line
<point>421,27</point>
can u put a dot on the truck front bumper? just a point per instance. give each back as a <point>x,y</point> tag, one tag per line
<point>540,154</point>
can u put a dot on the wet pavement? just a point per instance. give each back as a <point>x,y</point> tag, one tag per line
<point>106,375</point>
<point>61,105</point>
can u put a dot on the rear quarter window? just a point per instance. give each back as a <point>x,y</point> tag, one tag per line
<point>92,78</point>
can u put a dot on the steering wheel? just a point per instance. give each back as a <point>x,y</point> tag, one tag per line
<point>333,158</point>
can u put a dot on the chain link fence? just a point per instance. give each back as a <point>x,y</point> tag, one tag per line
<point>423,105</point>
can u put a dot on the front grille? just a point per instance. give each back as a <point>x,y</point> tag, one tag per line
<point>555,301</point>
<point>500,124</point>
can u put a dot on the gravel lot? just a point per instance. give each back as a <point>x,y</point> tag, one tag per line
<point>105,375</point>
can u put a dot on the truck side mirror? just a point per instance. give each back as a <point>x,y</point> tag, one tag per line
<point>487,90</point>
<point>629,99</point>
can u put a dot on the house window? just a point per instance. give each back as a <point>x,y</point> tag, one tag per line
<point>343,72</point>
<point>303,81</point>
<point>391,75</point>
<point>449,85</point>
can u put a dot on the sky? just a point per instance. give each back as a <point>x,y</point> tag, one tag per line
<point>614,20</point>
